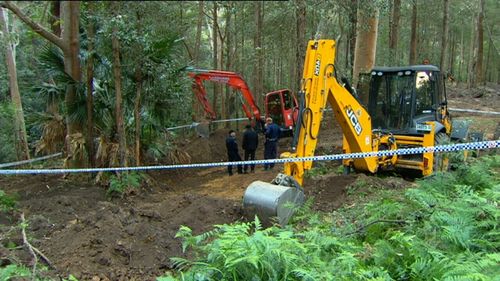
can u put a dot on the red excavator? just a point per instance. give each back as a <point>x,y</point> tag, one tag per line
<point>281,105</point>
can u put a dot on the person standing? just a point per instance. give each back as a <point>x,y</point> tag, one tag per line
<point>232,152</point>
<point>250,143</point>
<point>271,145</point>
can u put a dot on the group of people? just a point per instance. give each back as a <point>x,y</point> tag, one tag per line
<point>250,144</point>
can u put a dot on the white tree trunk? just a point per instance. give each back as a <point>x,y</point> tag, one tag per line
<point>19,125</point>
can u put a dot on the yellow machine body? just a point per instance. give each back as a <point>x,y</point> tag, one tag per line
<point>319,87</point>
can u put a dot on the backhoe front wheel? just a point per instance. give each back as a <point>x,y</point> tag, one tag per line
<point>441,159</point>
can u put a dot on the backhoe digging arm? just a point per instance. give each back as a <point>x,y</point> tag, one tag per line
<point>320,86</point>
<point>231,79</point>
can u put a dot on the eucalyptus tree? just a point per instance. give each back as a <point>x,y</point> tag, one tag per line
<point>10,58</point>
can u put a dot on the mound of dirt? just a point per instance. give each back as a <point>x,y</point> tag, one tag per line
<point>86,234</point>
<point>332,191</point>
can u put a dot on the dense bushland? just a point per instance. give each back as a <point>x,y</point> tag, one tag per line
<point>445,229</point>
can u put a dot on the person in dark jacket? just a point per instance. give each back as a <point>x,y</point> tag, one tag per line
<point>271,145</point>
<point>250,143</point>
<point>232,152</point>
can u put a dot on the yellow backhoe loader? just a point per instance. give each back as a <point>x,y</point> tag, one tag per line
<point>406,107</point>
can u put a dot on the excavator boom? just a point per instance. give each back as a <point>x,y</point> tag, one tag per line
<point>231,79</point>
<point>413,91</point>
<point>319,86</point>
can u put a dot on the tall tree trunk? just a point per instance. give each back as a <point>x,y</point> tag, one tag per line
<point>90,89</point>
<point>413,40</point>
<point>55,17</point>
<point>138,94</point>
<point>137,114</point>
<point>444,35</point>
<point>394,32</point>
<point>120,129</point>
<point>196,54</point>
<point>471,79</point>
<point>353,22</point>
<point>453,46</point>
<point>19,125</point>
<point>461,63</point>
<point>487,77</point>
<point>69,43</point>
<point>71,36</point>
<point>55,25</point>
<point>228,56</point>
<point>257,44</point>
<point>215,40</point>
<point>366,40</point>
<point>480,38</point>
<point>300,35</point>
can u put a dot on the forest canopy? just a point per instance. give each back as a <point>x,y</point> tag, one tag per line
<point>102,80</point>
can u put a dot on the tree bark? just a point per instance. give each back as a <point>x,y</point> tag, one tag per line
<point>139,78</point>
<point>120,129</point>
<point>462,55</point>
<point>55,17</point>
<point>215,32</point>
<point>69,43</point>
<point>257,44</point>
<point>19,124</point>
<point>413,40</point>
<point>300,51</point>
<point>137,115</point>
<point>71,37</point>
<point>90,89</point>
<point>444,35</point>
<point>394,32</point>
<point>228,58</point>
<point>471,79</point>
<point>353,21</point>
<point>480,38</point>
<point>366,40</point>
<point>451,66</point>
<point>196,53</point>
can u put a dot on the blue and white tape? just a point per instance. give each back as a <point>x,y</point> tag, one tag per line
<point>11,164</point>
<point>474,111</point>
<point>333,157</point>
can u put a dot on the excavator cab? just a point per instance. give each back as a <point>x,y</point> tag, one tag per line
<point>402,99</point>
<point>281,105</point>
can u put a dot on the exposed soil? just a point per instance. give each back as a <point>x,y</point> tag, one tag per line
<point>484,98</point>
<point>96,238</point>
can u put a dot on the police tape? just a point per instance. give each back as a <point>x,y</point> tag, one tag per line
<point>332,157</point>
<point>5,165</point>
<point>474,111</point>
<point>194,124</point>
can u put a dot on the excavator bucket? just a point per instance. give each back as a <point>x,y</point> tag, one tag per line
<point>203,129</point>
<point>271,202</point>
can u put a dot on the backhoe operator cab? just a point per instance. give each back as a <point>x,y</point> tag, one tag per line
<point>281,105</point>
<point>402,99</point>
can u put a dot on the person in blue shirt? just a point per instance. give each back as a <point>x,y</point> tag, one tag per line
<point>272,134</point>
<point>232,152</point>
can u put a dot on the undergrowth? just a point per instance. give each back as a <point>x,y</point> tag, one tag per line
<point>123,183</point>
<point>7,202</point>
<point>445,229</point>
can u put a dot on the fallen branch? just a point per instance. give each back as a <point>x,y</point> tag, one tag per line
<point>374,222</point>
<point>34,251</point>
<point>30,248</point>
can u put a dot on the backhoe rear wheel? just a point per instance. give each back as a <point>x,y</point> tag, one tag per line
<point>441,159</point>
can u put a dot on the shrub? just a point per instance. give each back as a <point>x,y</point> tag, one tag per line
<point>7,202</point>
<point>123,183</point>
